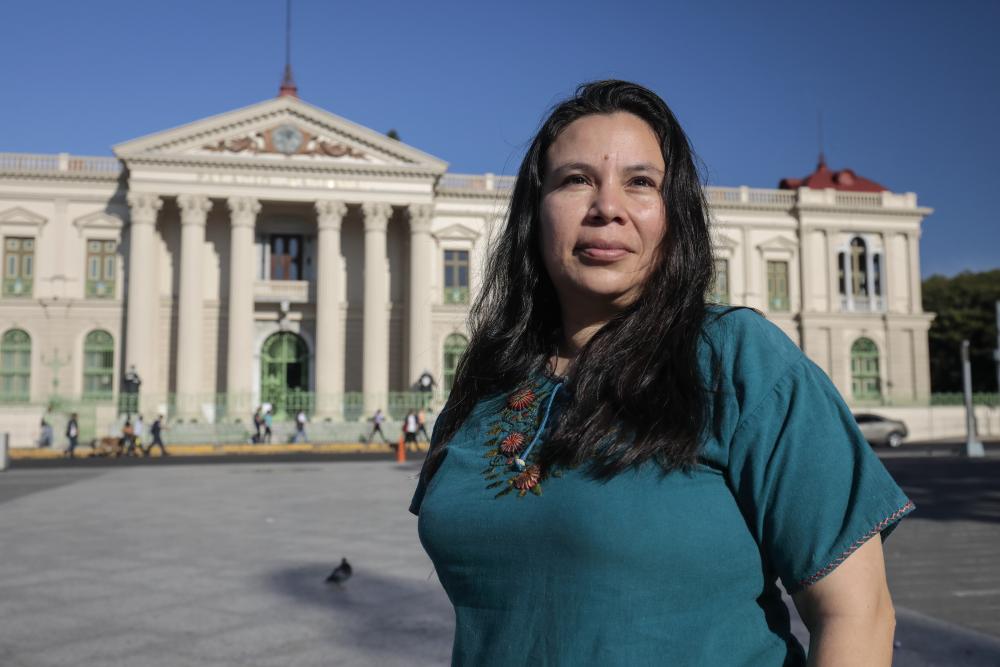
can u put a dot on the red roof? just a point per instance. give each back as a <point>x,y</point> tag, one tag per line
<point>822,178</point>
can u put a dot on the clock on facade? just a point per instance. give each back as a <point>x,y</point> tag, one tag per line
<point>286,139</point>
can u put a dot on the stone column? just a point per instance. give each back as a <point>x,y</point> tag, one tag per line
<point>329,366</point>
<point>375,360</point>
<point>832,281</point>
<point>915,302</point>
<point>239,353</point>
<point>421,352</point>
<point>194,211</point>
<point>143,323</point>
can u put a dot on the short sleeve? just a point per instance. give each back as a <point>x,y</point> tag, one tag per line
<point>811,487</point>
<point>432,461</point>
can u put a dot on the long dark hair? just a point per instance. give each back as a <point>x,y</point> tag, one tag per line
<point>638,377</point>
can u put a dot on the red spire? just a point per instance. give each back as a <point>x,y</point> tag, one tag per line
<point>288,87</point>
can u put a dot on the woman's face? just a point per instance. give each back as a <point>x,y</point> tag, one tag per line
<point>602,213</point>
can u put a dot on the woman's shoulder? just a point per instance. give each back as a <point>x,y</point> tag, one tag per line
<point>739,330</point>
<point>751,352</point>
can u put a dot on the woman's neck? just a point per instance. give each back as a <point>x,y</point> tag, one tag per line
<point>576,333</point>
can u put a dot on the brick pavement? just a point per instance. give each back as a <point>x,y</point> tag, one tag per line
<point>223,565</point>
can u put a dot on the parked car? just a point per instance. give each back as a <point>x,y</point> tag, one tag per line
<point>881,430</point>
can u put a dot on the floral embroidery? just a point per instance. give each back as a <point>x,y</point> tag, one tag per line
<point>508,436</point>
<point>521,399</point>
<point>512,444</point>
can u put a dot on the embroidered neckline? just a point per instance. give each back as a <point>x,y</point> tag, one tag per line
<point>512,429</point>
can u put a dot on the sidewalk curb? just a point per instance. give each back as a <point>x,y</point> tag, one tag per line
<point>83,452</point>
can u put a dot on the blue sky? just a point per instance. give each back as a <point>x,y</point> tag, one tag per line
<point>910,91</point>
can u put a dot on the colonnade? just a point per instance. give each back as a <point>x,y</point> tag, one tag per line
<point>143,298</point>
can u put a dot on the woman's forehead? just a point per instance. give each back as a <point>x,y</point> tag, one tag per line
<point>601,137</point>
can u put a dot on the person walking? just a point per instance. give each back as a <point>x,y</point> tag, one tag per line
<point>268,421</point>
<point>45,434</point>
<point>377,420</point>
<point>139,431</point>
<point>127,442</point>
<point>410,427</point>
<point>156,432</point>
<point>258,421</point>
<point>300,427</point>
<point>72,433</point>
<point>422,424</point>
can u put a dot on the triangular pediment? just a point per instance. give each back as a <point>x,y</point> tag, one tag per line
<point>284,130</point>
<point>779,243</point>
<point>456,232</point>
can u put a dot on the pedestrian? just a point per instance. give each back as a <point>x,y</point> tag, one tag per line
<point>126,445</point>
<point>72,434</point>
<point>45,434</point>
<point>377,420</point>
<point>300,427</point>
<point>155,431</point>
<point>268,421</point>
<point>410,428</point>
<point>138,429</point>
<point>691,455</point>
<point>258,421</point>
<point>422,424</point>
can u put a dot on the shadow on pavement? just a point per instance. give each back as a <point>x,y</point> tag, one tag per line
<point>947,489</point>
<point>376,614</point>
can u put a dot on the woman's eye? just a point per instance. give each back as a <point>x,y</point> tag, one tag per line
<point>643,181</point>
<point>576,179</point>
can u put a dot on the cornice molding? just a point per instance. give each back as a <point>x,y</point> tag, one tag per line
<point>219,164</point>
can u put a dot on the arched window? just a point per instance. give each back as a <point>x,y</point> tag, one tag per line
<point>865,383</point>
<point>454,348</point>
<point>15,366</point>
<point>98,365</point>
<point>859,267</point>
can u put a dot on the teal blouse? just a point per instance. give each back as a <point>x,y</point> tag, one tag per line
<point>652,568</point>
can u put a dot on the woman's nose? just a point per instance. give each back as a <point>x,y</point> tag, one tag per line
<point>607,204</point>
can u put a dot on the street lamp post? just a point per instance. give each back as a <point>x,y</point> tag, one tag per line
<point>996,352</point>
<point>973,448</point>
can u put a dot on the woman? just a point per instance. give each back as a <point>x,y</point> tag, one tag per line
<point>622,473</point>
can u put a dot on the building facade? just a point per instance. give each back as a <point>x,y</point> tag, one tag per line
<point>281,254</point>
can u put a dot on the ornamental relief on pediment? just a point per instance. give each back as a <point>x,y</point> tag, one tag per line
<point>285,139</point>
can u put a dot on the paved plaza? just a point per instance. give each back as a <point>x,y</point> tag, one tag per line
<point>224,564</point>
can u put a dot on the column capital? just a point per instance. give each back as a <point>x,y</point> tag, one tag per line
<point>420,218</point>
<point>194,208</point>
<point>143,207</point>
<point>243,211</point>
<point>330,213</point>
<point>377,215</point>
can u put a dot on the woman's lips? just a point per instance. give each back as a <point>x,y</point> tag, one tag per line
<point>602,253</point>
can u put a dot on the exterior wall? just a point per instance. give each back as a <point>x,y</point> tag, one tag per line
<point>62,209</point>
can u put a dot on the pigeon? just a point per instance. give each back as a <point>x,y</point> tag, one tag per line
<point>341,573</point>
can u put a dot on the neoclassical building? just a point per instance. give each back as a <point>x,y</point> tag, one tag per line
<point>282,254</point>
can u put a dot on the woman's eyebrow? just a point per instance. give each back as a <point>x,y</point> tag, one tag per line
<point>570,166</point>
<point>644,166</point>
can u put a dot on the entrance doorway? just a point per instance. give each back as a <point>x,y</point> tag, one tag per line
<point>284,374</point>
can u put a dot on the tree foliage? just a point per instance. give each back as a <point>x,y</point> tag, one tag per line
<point>965,308</point>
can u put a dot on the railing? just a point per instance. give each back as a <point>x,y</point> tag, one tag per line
<point>476,182</point>
<point>17,287</point>
<point>862,304</point>
<point>456,296</point>
<point>957,398</point>
<point>218,408</point>
<point>61,162</point>
<point>859,199</point>
<point>744,195</point>
<point>293,291</point>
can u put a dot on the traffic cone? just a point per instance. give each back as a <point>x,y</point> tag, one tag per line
<point>401,450</point>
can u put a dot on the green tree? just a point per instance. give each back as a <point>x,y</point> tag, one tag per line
<point>965,309</point>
